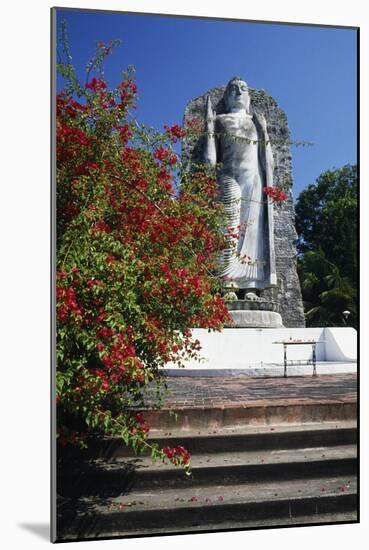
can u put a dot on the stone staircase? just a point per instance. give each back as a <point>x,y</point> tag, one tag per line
<point>242,477</point>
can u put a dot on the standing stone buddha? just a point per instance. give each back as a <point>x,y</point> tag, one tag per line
<point>238,140</point>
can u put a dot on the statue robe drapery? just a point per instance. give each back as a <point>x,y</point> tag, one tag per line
<point>245,154</point>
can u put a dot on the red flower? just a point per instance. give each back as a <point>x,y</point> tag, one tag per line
<point>196,125</point>
<point>62,313</point>
<point>59,292</point>
<point>105,385</point>
<point>85,168</point>
<point>141,422</point>
<point>165,179</point>
<point>165,155</point>
<point>96,85</point>
<point>104,332</point>
<point>175,132</point>
<point>128,91</point>
<point>125,133</point>
<point>101,226</point>
<point>276,194</point>
<point>68,135</point>
<point>177,454</point>
<point>93,282</point>
<point>142,184</point>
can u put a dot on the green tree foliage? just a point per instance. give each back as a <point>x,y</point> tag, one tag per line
<point>325,292</point>
<point>326,222</point>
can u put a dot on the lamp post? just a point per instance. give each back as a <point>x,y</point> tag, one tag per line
<point>346,315</point>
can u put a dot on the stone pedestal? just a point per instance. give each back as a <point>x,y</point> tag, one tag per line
<point>256,319</point>
<point>254,313</point>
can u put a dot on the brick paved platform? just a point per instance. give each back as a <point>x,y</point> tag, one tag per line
<point>218,391</point>
<point>220,401</point>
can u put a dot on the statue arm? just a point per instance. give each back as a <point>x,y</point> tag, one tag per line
<point>210,152</point>
<point>269,160</point>
<point>267,155</point>
<point>266,158</point>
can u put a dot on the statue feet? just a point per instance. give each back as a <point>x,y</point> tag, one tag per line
<point>252,296</point>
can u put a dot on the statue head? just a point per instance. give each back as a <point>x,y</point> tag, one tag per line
<point>236,96</point>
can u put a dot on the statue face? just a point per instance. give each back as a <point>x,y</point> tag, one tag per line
<point>236,96</point>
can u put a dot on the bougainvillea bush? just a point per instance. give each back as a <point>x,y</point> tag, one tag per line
<point>136,257</point>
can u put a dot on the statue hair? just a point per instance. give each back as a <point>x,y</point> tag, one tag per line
<point>237,79</point>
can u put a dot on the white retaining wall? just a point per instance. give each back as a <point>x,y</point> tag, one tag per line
<point>246,349</point>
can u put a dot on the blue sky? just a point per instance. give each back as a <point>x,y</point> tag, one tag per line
<point>310,71</point>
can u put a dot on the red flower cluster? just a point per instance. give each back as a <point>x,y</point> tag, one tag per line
<point>165,179</point>
<point>107,102</point>
<point>177,455</point>
<point>195,125</point>
<point>233,232</point>
<point>67,303</point>
<point>142,424</point>
<point>67,106</point>
<point>72,142</point>
<point>72,135</point>
<point>214,314</point>
<point>276,194</point>
<point>131,160</point>
<point>104,332</point>
<point>180,283</point>
<point>205,184</point>
<point>175,132</point>
<point>105,385</point>
<point>127,90</point>
<point>142,184</point>
<point>96,85</point>
<point>166,156</point>
<point>85,168</point>
<point>125,133</point>
<point>118,357</point>
<point>69,211</point>
<point>100,226</point>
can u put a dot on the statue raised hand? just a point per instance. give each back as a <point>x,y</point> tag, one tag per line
<point>210,155</point>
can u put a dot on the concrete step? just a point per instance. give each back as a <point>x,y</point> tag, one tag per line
<point>244,438</point>
<point>210,507</point>
<point>262,413</point>
<point>102,477</point>
<point>205,527</point>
